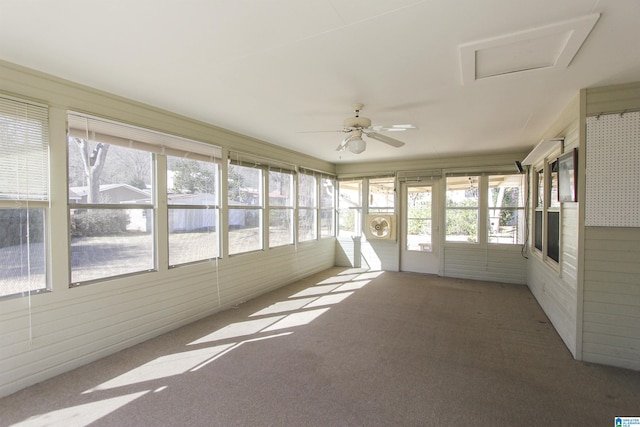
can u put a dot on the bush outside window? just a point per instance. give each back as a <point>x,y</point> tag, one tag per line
<point>462,209</point>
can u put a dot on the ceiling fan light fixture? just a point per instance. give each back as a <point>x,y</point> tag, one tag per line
<point>357,145</point>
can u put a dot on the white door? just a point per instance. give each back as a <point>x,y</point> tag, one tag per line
<point>419,242</point>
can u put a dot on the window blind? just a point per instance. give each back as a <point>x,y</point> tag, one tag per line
<point>107,132</point>
<point>250,160</point>
<point>24,150</point>
<point>418,175</point>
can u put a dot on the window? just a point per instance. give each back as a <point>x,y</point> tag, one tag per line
<point>111,207</point>
<point>506,209</point>
<point>382,195</point>
<point>349,208</point>
<point>327,207</point>
<point>553,216</point>
<point>307,207</point>
<point>539,179</point>
<point>245,190</point>
<point>193,210</point>
<point>115,173</point>
<point>280,208</point>
<point>24,184</point>
<point>546,222</point>
<point>462,209</point>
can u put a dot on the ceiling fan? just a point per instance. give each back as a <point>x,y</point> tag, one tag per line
<point>357,126</point>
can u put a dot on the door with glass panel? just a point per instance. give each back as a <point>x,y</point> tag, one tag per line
<point>420,244</point>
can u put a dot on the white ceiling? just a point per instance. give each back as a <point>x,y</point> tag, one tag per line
<point>271,69</point>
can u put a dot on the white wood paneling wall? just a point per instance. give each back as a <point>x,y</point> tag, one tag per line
<point>611,330</point>
<point>494,263</point>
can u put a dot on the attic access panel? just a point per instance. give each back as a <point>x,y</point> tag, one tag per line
<point>544,47</point>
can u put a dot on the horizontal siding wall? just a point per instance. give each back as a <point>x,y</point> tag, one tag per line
<point>494,263</point>
<point>557,297</point>
<point>611,331</point>
<point>380,255</point>
<point>555,287</point>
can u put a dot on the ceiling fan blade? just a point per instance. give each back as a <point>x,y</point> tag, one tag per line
<point>384,138</point>
<point>393,128</point>
<point>344,143</point>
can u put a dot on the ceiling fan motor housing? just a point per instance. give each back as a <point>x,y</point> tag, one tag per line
<point>357,122</point>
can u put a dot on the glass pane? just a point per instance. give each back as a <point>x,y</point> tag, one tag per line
<point>506,226</point>
<point>307,191</point>
<point>419,218</point>
<point>245,186</point>
<point>462,225</point>
<point>192,182</point>
<point>506,191</point>
<point>382,195</point>
<point>245,232</point>
<point>538,230</point>
<point>306,224</point>
<point>22,251</point>
<point>327,222</point>
<point>349,208</point>
<point>462,191</point>
<point>110,242</point>
<point>540,180</point>
<point>280,227</point>
<point>554,201</point>
<point>349,222</point>
<point>192,235</point>
<point>350,194</point>
<point>553,235</point>
<point>101,173</point>
<point>327,193</point>
<point>506,223</point>
<point>280,189</point>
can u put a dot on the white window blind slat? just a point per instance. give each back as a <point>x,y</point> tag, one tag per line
<point>107,132</point>
<point>24,151</point>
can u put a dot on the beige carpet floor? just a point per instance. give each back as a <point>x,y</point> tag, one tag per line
<point>346,348</point>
